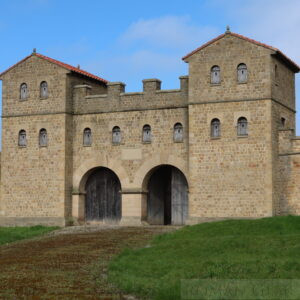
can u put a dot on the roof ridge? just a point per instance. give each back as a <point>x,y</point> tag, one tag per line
<point>253,41</point>
<point>14,65</point>
<point>70,67</point>
<point>59,63</point>
<point>295,67</point>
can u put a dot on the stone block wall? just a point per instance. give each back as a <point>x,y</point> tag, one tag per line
<point>33,177</point>
<point>237,51</point>
<point>33,189</point>
<point>283,83</point>
<point>229,176</point>
<point>32,72</point>
<point>116,100</point>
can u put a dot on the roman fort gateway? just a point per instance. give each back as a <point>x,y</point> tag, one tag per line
<point>79,149</point>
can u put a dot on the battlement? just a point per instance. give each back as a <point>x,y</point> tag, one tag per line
<point>116,99</point>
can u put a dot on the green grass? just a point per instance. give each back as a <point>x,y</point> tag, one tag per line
<point>12,234</point>
<point>267,248</point>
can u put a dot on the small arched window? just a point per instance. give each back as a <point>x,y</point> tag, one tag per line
<point>44,89</point>
<point>147,133</point>
<point>116,135</point>
<point>282,122</point>
<point>43,138</point>
<point>215,76</point>
<point>22,141</point>
<point>23,91</point>
<point>178,132</point>
<point>242,73</point>
<point>242,126</point>
<point>215,128</point>
<point>87,137</point>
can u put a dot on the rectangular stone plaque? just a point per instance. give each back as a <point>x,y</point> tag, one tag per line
<point>131,154</point>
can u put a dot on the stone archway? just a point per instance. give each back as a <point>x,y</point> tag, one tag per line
<point>103,196</point>
<point>167,198</point>
<point>81,176</point>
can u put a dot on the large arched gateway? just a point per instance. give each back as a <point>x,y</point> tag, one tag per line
<point>167,201</point>
<point>103,196</point>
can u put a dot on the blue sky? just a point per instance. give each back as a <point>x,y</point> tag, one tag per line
<point>132,40</point>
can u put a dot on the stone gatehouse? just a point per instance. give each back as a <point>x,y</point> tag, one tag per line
<point>77,147</point>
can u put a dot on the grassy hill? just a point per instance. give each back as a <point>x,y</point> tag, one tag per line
<point>12,234</point>
<point>260,249</point>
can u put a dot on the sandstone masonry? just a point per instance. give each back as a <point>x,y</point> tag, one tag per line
<point>228,175</point>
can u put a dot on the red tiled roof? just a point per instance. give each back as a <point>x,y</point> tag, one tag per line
<point>61,64</point>
<point>294,66</point>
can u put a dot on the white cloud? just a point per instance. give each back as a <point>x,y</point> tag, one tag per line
<point>139,65</point>
<point>275,22</point>
<point>168,31</point>
<point>152,48</point>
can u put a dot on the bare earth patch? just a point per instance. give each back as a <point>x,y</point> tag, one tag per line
<point>68,264</point>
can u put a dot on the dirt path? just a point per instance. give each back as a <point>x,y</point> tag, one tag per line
<point>68,265</point>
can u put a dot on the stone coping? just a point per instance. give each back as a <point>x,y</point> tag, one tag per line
<point>96,96</point>
<point>168,91</point>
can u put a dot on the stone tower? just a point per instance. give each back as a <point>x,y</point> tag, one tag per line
<point>37,178</point>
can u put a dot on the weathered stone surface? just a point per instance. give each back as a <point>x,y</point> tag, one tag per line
<point>231,176</point>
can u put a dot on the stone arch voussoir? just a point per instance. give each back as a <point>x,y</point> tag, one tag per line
<point>81,173</point>
<point>155,161</point>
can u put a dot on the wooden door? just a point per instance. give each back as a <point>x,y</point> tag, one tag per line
<point>156,196</point>
<point>179,197</point>
<point>103,197</point>
<point>167,197</point>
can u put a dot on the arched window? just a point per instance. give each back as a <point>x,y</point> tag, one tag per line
<point>116,135</point>
<point>242,126</point>
<point>23,91</point>
<point>22,141</point>
<point>147,133</point>
<point>87,137</point>
<point>242,73</point>
<point>178,132</point>
<point>215,129</point>
<point>44,89</point>
<point>43,138</point>
<point>282,122</point>
<point>215,77</point>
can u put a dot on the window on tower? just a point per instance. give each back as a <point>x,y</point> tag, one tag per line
<point>215,77</point>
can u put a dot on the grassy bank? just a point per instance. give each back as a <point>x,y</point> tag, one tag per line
<point>236,249</point>
<point>12,234</point>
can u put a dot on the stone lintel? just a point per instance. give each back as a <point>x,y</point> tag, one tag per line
<point>82,86</point>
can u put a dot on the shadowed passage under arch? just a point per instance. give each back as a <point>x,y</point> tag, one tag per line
<point>167,201</point>
<point>103,196</point>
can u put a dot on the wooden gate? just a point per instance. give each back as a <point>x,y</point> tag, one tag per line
<point>103,197</point>
<point>167,201</point>
<point>179,197</point>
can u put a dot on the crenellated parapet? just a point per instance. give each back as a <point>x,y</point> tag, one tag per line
<point>116,99</point>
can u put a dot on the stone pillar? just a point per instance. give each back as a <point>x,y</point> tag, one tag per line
<point>184,84</point>
<point>80,91</point>
<point>133,207</point>
<point>78,207</point>
<point>114,89</point>
<point>151,85</point>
